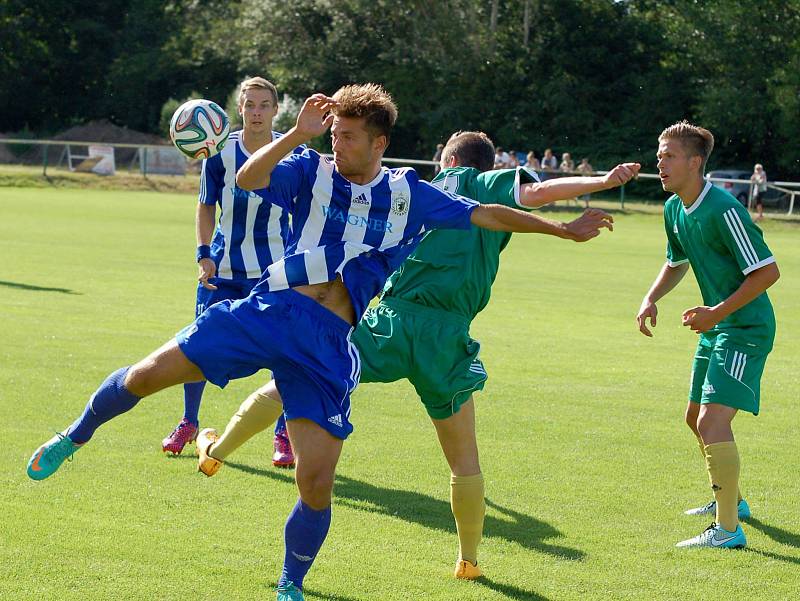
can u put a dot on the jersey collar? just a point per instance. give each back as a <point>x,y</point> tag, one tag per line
<point>700,198</point>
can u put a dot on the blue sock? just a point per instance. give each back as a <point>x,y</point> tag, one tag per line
<point>109,401</point>
<point>304,534</point>
<point>280,425</point>
<point>192,395</point>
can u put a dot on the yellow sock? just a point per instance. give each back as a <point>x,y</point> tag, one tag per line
<point>466,501</point>
<point>722,459</point>
<point>703,453</point>
<point>257,413</point>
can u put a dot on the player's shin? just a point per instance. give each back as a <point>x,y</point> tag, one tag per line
<point>257,413</point>
<point>469,509</point>
<point>305,531</point>
<point>110,400</point>
<point>722,459</point>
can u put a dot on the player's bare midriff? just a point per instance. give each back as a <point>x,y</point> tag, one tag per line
<point>333,296</point>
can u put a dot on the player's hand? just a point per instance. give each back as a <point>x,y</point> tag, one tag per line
<point>315,117</point>
<point>588,225</point>
<point>621,174</point>
<point>700,319</point>
<point>647,309</point>
<point>206,269</point>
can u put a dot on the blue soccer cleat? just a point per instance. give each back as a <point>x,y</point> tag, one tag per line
<point>289,592</point>
<point>49,457</point>
<point>711,509</point>
<point>717,536</point>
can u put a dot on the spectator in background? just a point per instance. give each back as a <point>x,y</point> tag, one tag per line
<point>585,169</point>
<point>758,184</point>
<point>531,162</point>
<point>549,161</point>
<point>500,158</point>
<point>513,160</point>
<point>567,164</point>
<point>437,158</point>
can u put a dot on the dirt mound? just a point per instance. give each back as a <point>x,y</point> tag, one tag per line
<point>105,131</point>
<point>102,131</point>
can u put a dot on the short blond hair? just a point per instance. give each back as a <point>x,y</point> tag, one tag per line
<point>257,83</point>
<point>369,101</point>
<point>696,140</point>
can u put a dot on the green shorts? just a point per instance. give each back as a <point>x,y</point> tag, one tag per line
<point>727,374</point>
<point>431,348</point>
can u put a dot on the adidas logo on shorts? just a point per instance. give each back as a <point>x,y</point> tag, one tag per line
<point>336,420</point>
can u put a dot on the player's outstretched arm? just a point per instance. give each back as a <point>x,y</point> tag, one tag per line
<point>506,219</point>
<point>313,120</point>
<point>666,280</point>
<point>703,318</point>
<point>538,194</point>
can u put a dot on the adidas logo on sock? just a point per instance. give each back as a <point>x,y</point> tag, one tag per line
<point>336,420</point>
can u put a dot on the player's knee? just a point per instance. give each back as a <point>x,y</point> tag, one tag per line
<point>708,424</point>
<point>315,487</point>
<point>138,379</point>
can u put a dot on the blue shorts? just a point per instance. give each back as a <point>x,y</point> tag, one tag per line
<point>307,347</point>
<point>226,290</point>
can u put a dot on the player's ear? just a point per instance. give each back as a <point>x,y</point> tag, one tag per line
<point>452,161</point>
<point>380,143</point>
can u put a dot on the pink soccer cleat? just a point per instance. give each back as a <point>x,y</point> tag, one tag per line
<point>184,433</point>
<point>283,456</point>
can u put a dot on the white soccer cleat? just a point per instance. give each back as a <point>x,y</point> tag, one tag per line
<point>717,536</point>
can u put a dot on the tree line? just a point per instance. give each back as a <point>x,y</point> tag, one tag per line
<point>597,78</point>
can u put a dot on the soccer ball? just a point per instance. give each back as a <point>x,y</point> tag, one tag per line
<point>199,129</point>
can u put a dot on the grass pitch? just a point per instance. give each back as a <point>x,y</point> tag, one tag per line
<point>588,465</point>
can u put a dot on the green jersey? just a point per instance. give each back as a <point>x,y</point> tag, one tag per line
<point>454,270</point>
<point>719,239</point>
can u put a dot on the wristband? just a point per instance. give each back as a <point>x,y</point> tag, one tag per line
<point>203,252</point>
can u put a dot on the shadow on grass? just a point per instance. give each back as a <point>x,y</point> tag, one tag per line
<point>427,511</point>
<point>33,288</point>
<point>510,591</point>
<point>779,535</point>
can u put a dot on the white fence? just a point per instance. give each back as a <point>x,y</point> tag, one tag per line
<point>152,159</point>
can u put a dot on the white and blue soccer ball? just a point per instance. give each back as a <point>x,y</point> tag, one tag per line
<point>199,129</point>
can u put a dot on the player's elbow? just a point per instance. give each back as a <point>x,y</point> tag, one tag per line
<point>248,181</point>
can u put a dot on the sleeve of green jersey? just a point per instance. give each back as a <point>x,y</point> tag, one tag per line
<point>675,253</point>
<point>502,186</point>
<point>743,239</point>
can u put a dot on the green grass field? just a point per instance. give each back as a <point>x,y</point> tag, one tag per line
<point>587,461</point>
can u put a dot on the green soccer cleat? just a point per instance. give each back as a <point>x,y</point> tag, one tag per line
<point>49,457</point>
<point>711,509</point>
<point>717,536</point>
<point>289,592</point>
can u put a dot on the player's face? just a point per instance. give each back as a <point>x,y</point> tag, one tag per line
<point>355,151</point>
<point>675,167</point>
<point>257,109</point>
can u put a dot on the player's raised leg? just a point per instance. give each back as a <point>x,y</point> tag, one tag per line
<point>257,413</point>
<point>316,455</point>
<point>119,393</point>
<point>457,439</point>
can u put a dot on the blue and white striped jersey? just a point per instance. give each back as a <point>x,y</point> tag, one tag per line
<point>361,232</point>
<point>252,232</point>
